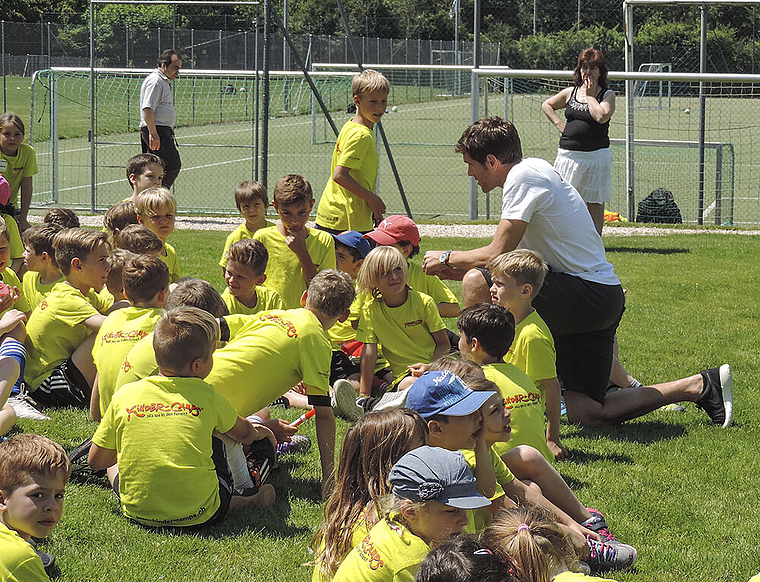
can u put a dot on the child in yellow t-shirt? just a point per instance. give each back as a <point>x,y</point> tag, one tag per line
<point>146,283</point>
<point>42,272</point>
<point>296,252</point>
<point>144,171</point>
<point>405,321</point>
<point>485,334</point>
<point>170,420</point>
<point>33,474</point>
<point>349,201</point>
<point>252,202</point>
<point>60,368</point>
<point>156,209</point>
<point>517,278</point>
<point>118,217</point>
<point>246,263</point>
<point>401,232</point>
<point>420,516</point>
<point>536,546</point>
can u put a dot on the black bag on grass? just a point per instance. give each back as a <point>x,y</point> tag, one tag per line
<point>660,207</point>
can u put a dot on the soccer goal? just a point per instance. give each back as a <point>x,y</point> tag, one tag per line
<point>649,93</point>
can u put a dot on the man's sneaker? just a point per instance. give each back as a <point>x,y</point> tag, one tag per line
<point>610,556</point>
<point>24,407</point>
<point>598,524</point>
<point>717,398</point>
<point>345,400</point>
<point>298,444</point>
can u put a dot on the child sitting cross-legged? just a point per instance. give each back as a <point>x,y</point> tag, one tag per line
<point>156,209</point>
<point>246,261</point>
<point>186,483</point>
<point>373,444</point>
<point>252,202</point>
<point>146,283</point>
<point>432,489</point>
<point>33,475</point>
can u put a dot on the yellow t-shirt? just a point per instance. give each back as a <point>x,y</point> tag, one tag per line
<point>33,290</point>
<point>478,519</point>
<point>267,355</point>
<point>16,168</point>
<point>161,430</point>
<point>580,577</point>
<point>404,331</point>
<point>361,530</point>
<point>139,363</point>
<point>284,273</point>
<point>390,552</point>
<point>18,560</point>
<point>240,233</point>
<point>121,330</point>
<point>755,578</point>
<point>14,237</point>
<point>338,208</point>
<point>172,261</point>
<point>55,329</point>
<point>523,400</point>
<point>266,299</point>
<point>429,285</point>
<point>343,332</point>
<point>9,278</point>
<point>533,351</point>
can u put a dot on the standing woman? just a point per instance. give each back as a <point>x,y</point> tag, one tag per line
<point>584,158</point>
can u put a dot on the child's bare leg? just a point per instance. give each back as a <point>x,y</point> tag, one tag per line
<point>406,383</point>
<point>82,358</point>
<point>7,419</point>
<point>112,472</point>
<point>264,498</point>
<point>9,370</point>
<point>527,464</point>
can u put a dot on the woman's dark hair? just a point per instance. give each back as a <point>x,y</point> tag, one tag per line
<point>591,58</point>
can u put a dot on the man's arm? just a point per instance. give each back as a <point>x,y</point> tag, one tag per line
<point>149,115</point>
<point>508,235</point>
<point>325,425</point>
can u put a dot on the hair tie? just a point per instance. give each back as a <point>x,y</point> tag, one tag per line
<point>523,527</point>
<point>483,552</point>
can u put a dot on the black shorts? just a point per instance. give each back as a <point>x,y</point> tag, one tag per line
<point>65,386</point>
<point>583,317</point>
<point>223,474</point>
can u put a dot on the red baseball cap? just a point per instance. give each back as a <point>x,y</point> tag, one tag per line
<point>5,190</point>
<point>395,229</point>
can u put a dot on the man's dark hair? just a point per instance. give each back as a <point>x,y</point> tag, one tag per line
<point>491,135</point>
<point>493,325</point>
<point>166,57</point>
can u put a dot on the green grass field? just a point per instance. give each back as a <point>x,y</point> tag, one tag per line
<point>216,135</point>
<point>680,490</point>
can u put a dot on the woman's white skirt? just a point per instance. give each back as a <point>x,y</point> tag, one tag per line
<point>589,172</point>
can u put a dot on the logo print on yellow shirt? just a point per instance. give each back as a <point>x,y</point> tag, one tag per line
<point>158,409</point>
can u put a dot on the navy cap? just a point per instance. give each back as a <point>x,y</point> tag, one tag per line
<point>443,392</point>
<point>436,474</point>
<point>355,240</point>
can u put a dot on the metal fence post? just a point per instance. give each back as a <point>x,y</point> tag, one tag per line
<point>2,51</point>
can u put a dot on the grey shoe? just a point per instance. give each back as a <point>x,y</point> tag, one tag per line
<point>24,407</point>
<point>344,395</point>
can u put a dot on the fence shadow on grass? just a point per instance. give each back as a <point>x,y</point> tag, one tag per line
<point>648,250</point>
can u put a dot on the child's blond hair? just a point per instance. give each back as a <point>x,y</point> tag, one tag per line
<point>25,454</point>
<point>467,370</point>
<point>144,277</point>
<point>369,80</point>
<point>331,293</point>
<point>138,239</point>
<point>251,253</point>
<point>151,200</point>
<point>523,265</point>
<point>249,191</point>
<point>119,216</point>
<point>116,260</point>
<point>378,262</point>
<point>77,243</point>
<point>183,335</point>
<point>535,545</point>
<point>40,237</point>
<point>292,189</point>
<point>63,217</point>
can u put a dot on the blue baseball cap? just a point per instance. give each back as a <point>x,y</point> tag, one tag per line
<point>355,240</point>
<point>442,392</point>
<point>436,474</point>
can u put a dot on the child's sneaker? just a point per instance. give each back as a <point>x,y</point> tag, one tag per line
<point>598,524</point>
<point>345,400</point>
<point>260,459</point>
<point>717,398</point>
<point>24,407</point>
<point>610,556</point>
<point>298,444</point>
